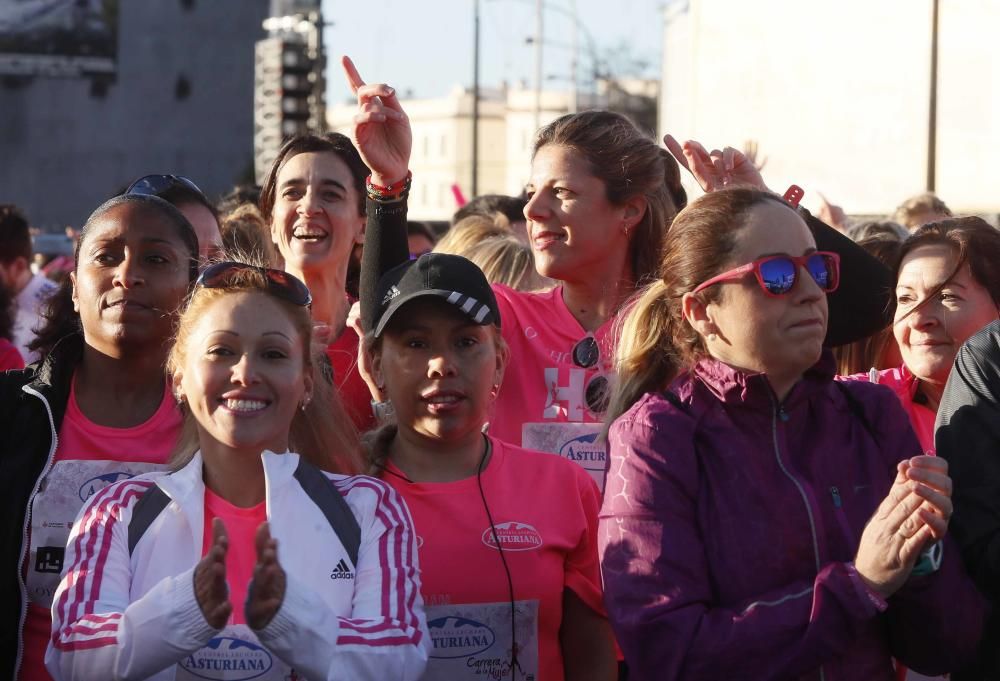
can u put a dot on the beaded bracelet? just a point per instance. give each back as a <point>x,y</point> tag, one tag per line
<point>396,191</point>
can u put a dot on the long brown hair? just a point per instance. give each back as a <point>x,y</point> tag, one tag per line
<point>322,433</point>
<point>630,164</point>
<point>654,341</point>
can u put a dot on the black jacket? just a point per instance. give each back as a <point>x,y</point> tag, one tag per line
<point>32,405</point>
<point>968,436</point>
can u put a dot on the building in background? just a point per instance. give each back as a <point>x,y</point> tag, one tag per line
<point>289,81</point>
<point>441,161</point>
<point>178,100</point>
<point>836,95</point>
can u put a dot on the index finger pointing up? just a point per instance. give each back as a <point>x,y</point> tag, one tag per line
<point>354,80</point>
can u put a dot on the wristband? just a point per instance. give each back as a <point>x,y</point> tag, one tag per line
<point>396,191</point>
<point>930,560</point>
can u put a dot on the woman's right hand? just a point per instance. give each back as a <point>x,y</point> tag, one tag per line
<point>210,586</point>
<point>381,129</point>
<point>914,513</point>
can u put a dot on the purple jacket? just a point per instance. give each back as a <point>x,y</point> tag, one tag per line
<point>729,526</point>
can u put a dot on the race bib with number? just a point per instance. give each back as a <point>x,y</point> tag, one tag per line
<point>473,642</point>
<point>235,654</point>
<point>578,442</point>
<point>63,492</point>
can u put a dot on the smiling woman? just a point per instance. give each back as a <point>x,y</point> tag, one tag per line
<point>199,546</point>
<point>313,198</point>
<point>97,407</point>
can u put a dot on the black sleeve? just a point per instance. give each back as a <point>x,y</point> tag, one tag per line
<point>862,304</point>
<point>385,247</point>
<point>968,436</point>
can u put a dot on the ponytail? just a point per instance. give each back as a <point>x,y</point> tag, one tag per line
<point>646,358</point>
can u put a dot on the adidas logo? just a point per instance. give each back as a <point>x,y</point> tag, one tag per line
<point>342,571</point>
<point>390,294</point>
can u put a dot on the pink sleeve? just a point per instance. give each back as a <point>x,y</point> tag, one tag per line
<point>583,571</point>
<point>10,358</point>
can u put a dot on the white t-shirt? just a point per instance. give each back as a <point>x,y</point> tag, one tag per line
<point>29,306</point>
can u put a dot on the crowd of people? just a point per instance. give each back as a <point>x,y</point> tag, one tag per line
<point>596,432</point>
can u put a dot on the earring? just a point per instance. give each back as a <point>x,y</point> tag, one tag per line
<point>496,390</point>
<point>712,337</point>
<point>305,403</point>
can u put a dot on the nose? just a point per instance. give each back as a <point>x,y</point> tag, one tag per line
<point>925,315</point>
<point>128,273</point>
<point>806,289</point>
<point>441,364</point>
<point>308,204</point>
<point>536,210</point>
<point>244,372</point>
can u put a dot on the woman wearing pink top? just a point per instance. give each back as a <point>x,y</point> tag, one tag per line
<point>507,535</point>
<point>95,409</point>
<point>947,289</point>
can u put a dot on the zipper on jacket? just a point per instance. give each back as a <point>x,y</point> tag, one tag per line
<point>779,412</point>
<point>838,506</point>
<point>24,532</point>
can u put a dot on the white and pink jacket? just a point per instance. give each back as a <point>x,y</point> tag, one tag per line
<point>122,616</point>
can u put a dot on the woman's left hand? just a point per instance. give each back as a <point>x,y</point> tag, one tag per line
<point>267,589</point>
<point>929,478</point>
<point>716,169</point>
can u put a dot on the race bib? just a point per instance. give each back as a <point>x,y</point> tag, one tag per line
<point>575,441</point>
<point>235,654</point>
<point>63,492</point>
<point>472,642</point>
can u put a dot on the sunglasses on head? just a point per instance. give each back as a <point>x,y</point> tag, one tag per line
<point>586,355</point>
<point>777,274</point>
<point>155,185</point>
<point>280,283</point>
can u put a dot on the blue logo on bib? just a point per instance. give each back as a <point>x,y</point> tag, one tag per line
<point>587,452</point>
<point>229,658</point>
<point>95,485</point>
<point>459,637</point>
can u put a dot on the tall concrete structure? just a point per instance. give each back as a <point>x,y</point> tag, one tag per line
<point>837,94</point>
<point>181,102</point>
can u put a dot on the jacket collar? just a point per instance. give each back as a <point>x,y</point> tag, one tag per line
<point>736,386</point>
<point>188,483</point>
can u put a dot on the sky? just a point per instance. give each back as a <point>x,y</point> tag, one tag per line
<point>424,48</point>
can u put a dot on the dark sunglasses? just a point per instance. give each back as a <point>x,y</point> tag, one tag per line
<point>280,283</point>
<point>155,185</point>
<point>586,355</point>
<point>777,274</point>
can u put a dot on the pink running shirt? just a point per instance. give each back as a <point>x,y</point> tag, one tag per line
<point>542,404</point>
<point>10,358</point>
<point>545,513</point>
<point>88,458</point>
<point>905,385</point>
<point>241,556</point>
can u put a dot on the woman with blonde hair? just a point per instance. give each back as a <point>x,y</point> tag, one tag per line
<point>248,556</point>
<point>762,520</point>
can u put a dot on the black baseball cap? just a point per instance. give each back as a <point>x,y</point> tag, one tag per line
<point>450,277</point>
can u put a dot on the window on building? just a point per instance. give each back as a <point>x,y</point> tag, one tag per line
<point>427,145</point>
<point>444,145</point>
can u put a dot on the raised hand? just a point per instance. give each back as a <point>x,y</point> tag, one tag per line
<point>381,129</point>
<point>210,588</point>
<point>832,214</point>
<point>267,588</point>
<point>914,514</point>
<point>716,169</point>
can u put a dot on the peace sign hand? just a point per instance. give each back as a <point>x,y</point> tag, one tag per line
<point>716,169</point>
<point>381,129</point>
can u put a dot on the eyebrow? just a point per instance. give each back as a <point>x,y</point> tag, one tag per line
<point>276,333</point>
<point>323,183</point>
<point>945,284</point>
